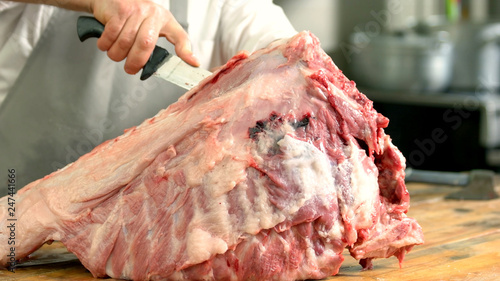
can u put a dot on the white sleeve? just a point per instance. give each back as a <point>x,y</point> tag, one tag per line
<point>250,25</point>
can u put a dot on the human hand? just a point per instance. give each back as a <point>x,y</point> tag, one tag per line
<point>132,28</point>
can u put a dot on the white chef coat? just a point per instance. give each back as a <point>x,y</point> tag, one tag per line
<point>217,29</point>
<point>62,97</point>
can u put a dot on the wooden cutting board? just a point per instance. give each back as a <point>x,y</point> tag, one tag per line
<point>462,243</point>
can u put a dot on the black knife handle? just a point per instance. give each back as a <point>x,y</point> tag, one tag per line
<point>88,27</point>
<point>154,62</point>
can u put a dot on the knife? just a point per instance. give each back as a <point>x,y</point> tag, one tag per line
<point>161,63</point>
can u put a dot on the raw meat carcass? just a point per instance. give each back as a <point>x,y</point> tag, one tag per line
<point>268,169</point>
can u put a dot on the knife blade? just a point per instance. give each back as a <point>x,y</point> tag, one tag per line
<point>161,63</point>
<point>52,253</point>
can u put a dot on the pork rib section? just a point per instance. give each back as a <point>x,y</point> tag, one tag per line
<point>268,169</point>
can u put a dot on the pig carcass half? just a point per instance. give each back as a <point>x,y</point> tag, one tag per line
<point>268,169</point>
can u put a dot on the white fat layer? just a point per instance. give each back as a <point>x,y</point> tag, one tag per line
<point>307,167</point>
<point>303,165</point>
<point>217,181</point>
<point>266,215</point>
<point>201,245</point>
<point>364,187</point>
<point>109,266</point>
<point>362,193</point>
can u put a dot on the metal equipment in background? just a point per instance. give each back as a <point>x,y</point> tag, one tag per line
<point>476,184</point>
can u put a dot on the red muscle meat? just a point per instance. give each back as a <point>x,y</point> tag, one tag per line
<point>268,169</point>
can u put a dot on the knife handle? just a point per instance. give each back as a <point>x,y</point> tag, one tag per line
<point>88,27</point>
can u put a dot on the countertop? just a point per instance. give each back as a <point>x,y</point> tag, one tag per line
<point>462,242</point>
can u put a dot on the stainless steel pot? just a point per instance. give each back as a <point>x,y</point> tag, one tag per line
<point>402,61</point>
<point>477,57</point>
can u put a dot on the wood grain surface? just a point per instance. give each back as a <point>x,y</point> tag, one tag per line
<point>462,242</point>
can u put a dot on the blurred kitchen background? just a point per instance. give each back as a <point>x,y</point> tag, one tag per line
<point>431,66</point>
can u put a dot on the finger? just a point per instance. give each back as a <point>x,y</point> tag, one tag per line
<point>143,46</point>
<point>183,50</point>
<point>122,45</point>
<point>111,31</point>
<point>176,35</point>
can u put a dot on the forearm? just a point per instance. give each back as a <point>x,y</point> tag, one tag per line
<point>76,5</point>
